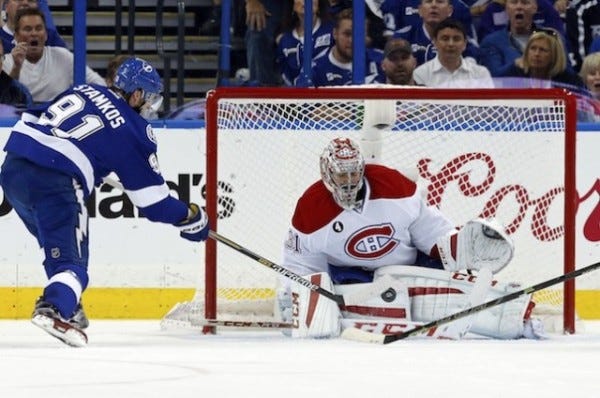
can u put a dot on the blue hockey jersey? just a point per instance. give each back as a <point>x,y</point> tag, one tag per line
<point>290,49</point>
<point>327,71</point>
<point>88,132</point>
<point>399,15</point>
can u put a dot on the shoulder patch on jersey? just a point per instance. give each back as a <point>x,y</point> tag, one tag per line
<point>150,133</point>
<point>387,183</point>
<point>315,209</point>
<point>153,161</point>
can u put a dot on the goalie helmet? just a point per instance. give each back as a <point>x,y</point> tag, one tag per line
<point>137,74</point>
<point>342,171</point>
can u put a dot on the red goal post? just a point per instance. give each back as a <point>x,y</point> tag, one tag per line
<point>508,153</point>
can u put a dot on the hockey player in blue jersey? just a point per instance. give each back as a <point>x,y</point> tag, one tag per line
<point>57,155</point>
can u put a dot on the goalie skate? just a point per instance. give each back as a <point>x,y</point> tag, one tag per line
<point>46,317</point>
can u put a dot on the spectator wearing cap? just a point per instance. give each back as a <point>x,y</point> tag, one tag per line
<point>449,68</point>
<point>398,62</point>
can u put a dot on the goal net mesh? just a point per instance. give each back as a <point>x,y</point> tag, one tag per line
<point>472,155</point>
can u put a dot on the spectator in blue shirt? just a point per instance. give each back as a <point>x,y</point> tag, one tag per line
<point>583,29</point>
<point>595,46</point>
<point>398,15</point>
<point>432,12</point>
<point>334,67</point>
<point>290,43</point>
<point>499,50</point>
<point>495,18</point>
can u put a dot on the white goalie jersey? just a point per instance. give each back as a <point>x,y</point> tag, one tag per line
<point>389,227</point>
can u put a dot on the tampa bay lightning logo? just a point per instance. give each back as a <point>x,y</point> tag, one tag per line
<point>372,242</point>
<point>150,133</point>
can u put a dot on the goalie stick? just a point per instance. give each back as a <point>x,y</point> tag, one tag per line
<point>267,263</point>
<point>482,284</point>
<point>248,324</point>
<point>367,337</point>
<point>279,269</point>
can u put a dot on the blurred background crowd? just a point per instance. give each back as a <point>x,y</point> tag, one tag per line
<point>434,43</point>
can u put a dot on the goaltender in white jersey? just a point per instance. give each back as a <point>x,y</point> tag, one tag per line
<point>362,231</point>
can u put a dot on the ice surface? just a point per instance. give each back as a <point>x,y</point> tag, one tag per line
<point>137,359</point>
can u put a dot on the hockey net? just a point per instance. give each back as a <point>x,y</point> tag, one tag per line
<point>474,153</point>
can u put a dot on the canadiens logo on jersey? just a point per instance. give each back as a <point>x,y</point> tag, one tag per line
<point>372,242</point>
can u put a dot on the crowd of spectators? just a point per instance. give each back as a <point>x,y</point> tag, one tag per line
<point>436,43</point>
<point>483,44</point>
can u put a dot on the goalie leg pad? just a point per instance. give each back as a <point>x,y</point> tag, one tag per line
<point>314,315</point>
<point>438,293</point>
<point>385,297</point>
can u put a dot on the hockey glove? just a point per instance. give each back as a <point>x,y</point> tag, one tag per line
<point>195,226</point>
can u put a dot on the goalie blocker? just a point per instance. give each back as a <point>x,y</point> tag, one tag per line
<point>413,295</point>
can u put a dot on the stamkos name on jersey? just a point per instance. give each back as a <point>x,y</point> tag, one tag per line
<point>103,104</point>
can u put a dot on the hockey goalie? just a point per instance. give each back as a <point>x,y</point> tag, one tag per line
<point>364,231</point>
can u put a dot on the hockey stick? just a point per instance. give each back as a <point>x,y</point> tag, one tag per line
<point>275,267</point>
<point>248,324</point>
<point>458,329</point>
<point>359,335</point>
<point>279,269</point>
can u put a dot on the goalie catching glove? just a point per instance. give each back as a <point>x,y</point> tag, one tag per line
<point>479,244</point>
<point>195,226</point>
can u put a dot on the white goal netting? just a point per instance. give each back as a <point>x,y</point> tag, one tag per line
<point>474,153</point>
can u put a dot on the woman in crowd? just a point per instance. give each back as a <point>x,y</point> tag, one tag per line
<point>544,62</point>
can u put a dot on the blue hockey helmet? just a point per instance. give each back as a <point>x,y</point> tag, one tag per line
<point>137,74</point>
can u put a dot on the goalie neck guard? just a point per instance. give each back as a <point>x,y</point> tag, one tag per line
<point>342,171</point>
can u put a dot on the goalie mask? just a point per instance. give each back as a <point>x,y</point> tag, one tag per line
<point>342,170</point>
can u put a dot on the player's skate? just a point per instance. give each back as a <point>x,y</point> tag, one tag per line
<point>79,319</point>
<point>46,317</point>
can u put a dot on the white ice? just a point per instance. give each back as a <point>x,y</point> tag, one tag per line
<point>137,359</point>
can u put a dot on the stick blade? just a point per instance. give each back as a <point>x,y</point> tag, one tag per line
<point>355,334</point>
